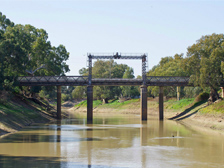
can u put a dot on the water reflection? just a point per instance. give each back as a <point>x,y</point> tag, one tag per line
<point>111,142</point>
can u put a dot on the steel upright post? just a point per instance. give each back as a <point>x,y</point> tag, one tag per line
<point>89,103</point>
<point>144,102</point>
<point>160,103</point>
<point>59,102</point>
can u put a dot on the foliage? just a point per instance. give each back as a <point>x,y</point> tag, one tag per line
<point>107,69</point>
<point>79,92</point>
<point>203,62</point>
<point>129,91</point>
<point>202,96</point>
<point>191,92</point>
<point>168,66</point>
<point>25,50</point>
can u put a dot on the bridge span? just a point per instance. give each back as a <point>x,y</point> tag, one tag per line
<point>59,81</point>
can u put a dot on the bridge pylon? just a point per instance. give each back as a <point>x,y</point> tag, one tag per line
<point>144,102</point>
<point>58,102</point>
<point>89,103</point>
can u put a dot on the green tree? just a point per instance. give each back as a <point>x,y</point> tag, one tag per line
<point>203,63</point>
<point>79,92</point>
<point>24,48</point>
<point>168,66</point>
<point>129,91</point>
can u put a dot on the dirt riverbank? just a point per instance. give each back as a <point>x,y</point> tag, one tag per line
<point>18,112</point>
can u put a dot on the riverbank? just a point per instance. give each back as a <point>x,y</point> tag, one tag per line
<point>186,111</point>
<point>17,111</point>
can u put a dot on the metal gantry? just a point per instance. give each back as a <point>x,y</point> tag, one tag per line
<point>117,55</point>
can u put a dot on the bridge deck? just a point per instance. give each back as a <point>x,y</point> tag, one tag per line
<point>83,81</point>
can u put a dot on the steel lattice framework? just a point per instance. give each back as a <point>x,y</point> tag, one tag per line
<point>84,81</point>
<point>117,55</point>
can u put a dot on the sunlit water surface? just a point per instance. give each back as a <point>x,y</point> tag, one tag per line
<point>117,142</point>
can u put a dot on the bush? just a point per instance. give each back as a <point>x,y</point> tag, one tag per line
<point>202,96</point>
<point>64,97</point>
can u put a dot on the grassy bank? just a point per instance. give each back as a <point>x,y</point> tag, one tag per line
<point>188,111</point>
<point>18,111</point>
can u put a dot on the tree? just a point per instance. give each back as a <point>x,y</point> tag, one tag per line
<point>79,92</point>
<point>203,63</point>
<point>168,66</point>
<point>107,69</point>
<point>24,48</point>
<point>129,91</point>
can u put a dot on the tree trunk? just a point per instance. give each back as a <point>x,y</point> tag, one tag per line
<point>213,95</point>
<point>105,101</point>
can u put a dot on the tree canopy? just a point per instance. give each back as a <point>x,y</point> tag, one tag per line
<point>25,50</point>
<point>203,62</point>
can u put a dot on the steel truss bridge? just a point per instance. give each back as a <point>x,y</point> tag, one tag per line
<point>89,81</point>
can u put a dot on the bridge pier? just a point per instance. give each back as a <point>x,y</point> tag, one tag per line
<point>222,92</point>
<point>89,103</point>
<point>161,103</point>
<point>59,102</point>
<point>144,102</point>
<point>178,93</point>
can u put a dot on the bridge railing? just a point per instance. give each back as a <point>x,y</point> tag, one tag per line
<point>167,80</point>
<point>53,80</point>
<point>83,81</point>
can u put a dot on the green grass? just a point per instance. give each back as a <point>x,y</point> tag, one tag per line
<point>177,105</point>
<point>18,111</point>
<point>111,104</point>
<point>216,108</point>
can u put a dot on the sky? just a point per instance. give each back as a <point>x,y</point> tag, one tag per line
<point>158,28</point>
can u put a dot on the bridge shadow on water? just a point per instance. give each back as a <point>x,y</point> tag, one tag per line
<point>188,112</point>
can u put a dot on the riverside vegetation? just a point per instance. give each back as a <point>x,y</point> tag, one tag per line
<point>25,50</point>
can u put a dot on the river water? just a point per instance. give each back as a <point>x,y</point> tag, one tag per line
<point>116,142</point>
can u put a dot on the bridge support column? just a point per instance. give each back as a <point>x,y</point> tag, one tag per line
<point>59,102</point>
<point>89,103</point>
<point>222,92</point>
<point>178,93</point>
<point>144,102</point>
<point>160,103</point>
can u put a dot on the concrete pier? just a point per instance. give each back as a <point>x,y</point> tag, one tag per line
<point>89,103</point>
<point>59,102</point>
<point>144,102</point>
<point>161,103</point>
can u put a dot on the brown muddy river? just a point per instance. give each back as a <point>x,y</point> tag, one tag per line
<point>115,142</point>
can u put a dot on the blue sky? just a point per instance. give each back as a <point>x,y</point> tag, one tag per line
<point>159,28</point>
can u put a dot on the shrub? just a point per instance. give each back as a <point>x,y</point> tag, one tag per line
<point>202,96</point>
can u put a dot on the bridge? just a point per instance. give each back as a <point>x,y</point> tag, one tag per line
<point>83,81</point>
<point>90,82</point>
